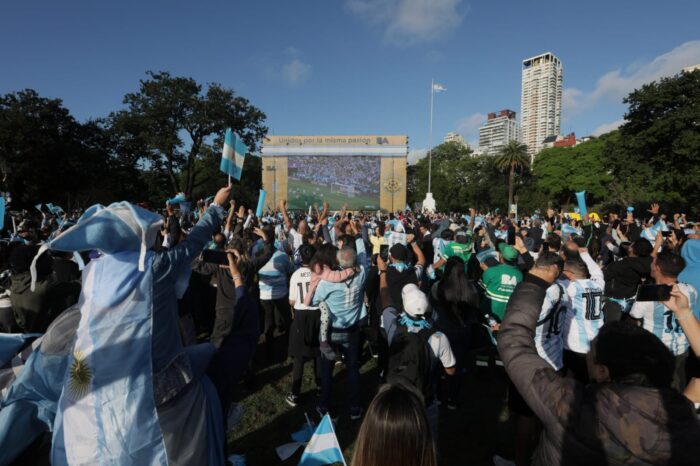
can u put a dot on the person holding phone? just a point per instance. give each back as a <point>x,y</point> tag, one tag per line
<point>659,319</point>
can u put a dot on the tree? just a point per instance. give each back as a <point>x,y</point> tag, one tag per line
<point>562,171</point>
<point>511,158</point>
<point>48,156</point>
<point>170,124</point>
<point>657,154</point>
<point>446,158</point>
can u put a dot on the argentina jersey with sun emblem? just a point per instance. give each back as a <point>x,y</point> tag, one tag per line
<point>662,322</point>
<point>548,332</point>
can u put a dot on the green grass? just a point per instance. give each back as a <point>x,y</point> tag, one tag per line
<point>336,200</point>
<point>472,434</point>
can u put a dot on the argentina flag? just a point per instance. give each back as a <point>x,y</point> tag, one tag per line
<point>233,155</point>
<point>323,448</point>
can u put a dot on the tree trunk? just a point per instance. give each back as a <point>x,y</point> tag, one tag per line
<point>511,182</point>
<point>174,184</point>
<point>191,174</point>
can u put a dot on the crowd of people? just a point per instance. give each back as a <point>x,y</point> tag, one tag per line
<point>121,319</point>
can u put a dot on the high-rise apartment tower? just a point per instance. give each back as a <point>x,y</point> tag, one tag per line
<point>540,100</point>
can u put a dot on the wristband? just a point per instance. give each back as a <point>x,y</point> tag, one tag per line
<point>236,277</point>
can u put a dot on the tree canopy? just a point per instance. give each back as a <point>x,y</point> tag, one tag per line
<point>170,124</point>
<point>166,140</point>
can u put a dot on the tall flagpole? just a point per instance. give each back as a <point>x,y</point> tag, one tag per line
<point>430,137</point>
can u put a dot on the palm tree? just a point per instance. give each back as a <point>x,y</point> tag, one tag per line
<point>512,157</point>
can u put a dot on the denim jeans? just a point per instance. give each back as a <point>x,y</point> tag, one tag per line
<point>347,343</point>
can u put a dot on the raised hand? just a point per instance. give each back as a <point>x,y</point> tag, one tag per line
<point>222,195</point>
<point>678,301</point>
<point>654,210</point>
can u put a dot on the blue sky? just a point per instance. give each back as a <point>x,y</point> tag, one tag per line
<point>351,66</point>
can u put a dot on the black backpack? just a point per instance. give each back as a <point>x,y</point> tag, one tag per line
<point>410,360</point>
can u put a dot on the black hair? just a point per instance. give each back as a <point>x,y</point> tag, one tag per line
<point>554,242</point>
<point>447,234</point>
<point>306,253</point>
<point>571,254</point>
<point>629,350</point>
<point>577,266</point>
<point>642,247</point>
<point>456,294</point>
<point>269,233</point>
<point>670,264</point>
<point>382,228</point>
<point>549,258</point>
<point>325,256</point>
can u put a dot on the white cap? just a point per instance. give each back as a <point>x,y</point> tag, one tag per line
<point>415,303</point>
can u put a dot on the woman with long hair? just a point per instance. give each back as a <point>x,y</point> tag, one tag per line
<point>395,431</point>
<point>457,302</point>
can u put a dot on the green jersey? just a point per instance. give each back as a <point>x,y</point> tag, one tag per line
<point>499,282</point>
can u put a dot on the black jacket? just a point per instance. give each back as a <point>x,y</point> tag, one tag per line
<point>622,277</point>
<point>607,424</point>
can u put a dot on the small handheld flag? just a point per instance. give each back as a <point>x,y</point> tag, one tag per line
<point>233,155</point>
<point>323,448</point>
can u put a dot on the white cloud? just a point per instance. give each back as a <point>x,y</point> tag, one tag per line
<point>617,84</point>
<point>410,21</point>
<point>469,125</point>
<point>415,155</point>
<point>607,127</point>
<point>570,98</point>
<point>296,72</point>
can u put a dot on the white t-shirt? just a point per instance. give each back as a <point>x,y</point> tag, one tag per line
<point>299,287</point>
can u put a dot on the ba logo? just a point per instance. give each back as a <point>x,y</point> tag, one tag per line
<point>381,140</point>
<point>508,280</point>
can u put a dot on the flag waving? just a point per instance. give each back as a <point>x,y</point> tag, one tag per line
<point>323,448</point>
<point>233,155</point>
<point>438,87</point>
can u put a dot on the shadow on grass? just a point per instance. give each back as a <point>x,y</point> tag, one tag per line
<point>269,422</point>
<point>471,435</point>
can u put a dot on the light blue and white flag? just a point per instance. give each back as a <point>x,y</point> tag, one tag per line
<point>233,155</point>
<point>107,413</point>
<point>178,199</point>
<point>323,448</point>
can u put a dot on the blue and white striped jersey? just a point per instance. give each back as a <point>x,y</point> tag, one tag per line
<point>548,333</point>
<point>584,315</point>
<point>660,321</point>
<point>273,276</point>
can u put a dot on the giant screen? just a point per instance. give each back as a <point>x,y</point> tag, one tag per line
<point>352,179</point>
<point>364,172</point>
